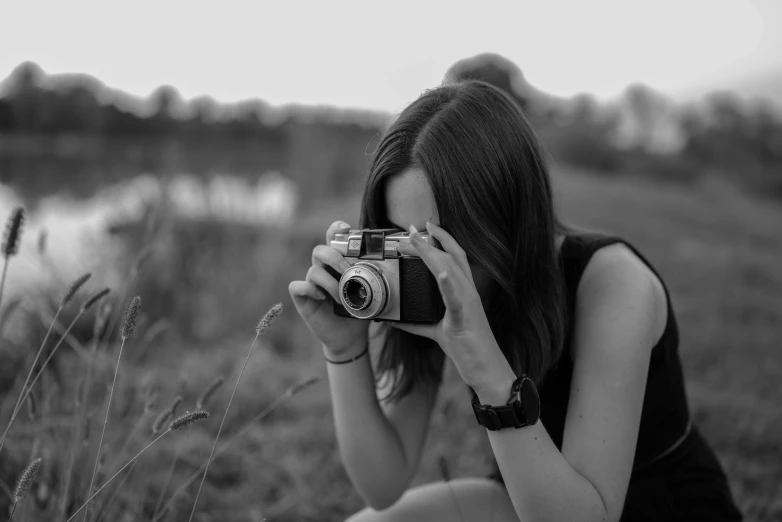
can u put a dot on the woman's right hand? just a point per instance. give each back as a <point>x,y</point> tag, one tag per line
<point>341,336</point>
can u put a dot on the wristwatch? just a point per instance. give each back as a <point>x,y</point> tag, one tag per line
<point>522,408</point>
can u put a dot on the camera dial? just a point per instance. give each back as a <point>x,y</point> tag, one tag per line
<point>363,290</point>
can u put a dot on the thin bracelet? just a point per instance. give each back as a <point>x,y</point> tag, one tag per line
<point>349,360</point>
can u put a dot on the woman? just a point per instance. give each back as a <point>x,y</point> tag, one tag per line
<point>584,317</point>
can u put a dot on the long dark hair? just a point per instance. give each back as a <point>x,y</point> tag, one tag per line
<point>488,175</point>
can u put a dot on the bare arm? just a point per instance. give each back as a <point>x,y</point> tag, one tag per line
<point>619,315</point>
<point>620,312</point>
<point>381,445</point>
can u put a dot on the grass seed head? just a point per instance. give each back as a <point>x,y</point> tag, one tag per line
<point>151,401</point>
<point>187,419</point>
<point>97,296</point>
<point>26,479</point>
<point>208,392</point>
<point>157,328</point>
<point>267,319</point>
<point>131,314</point>
<point>100,320</point>
<point>13,232</point>
<point>175,404</point>
<point>141,258</point>
<point>32,406</point>
<point>161,420</point>
<point>74,288</point>
<point>166,414</point>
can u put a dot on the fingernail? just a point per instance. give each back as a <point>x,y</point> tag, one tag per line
<point>344,265</point>
<point>342,224</point>
<point>429,225</point>
<point>413,230</point>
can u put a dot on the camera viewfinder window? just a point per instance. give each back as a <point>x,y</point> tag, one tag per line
<point>372,245</point>
<point>375,245</point>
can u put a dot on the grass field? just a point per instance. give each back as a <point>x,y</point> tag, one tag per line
<point>718,251</point>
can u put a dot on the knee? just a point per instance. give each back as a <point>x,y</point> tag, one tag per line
<point>365,515</point>
<point>375,514</point>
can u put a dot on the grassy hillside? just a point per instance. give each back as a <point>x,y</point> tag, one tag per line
<point>718,251</point>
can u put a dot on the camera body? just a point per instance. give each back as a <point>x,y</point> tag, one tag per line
<point>383,284</point>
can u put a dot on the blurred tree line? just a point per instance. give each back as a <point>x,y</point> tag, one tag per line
<point>325,150</point>
<point>646,134</point>
<point>71,133</point>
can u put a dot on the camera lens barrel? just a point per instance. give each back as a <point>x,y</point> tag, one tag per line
<point>356,293</point>
<point>363,290</point>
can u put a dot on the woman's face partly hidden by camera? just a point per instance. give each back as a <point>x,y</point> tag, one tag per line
<point>409,201</point>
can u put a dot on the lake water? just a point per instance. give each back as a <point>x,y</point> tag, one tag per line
<point>75,231</point>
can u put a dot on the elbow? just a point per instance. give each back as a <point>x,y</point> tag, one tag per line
<point>606,514</point>
<point>614,515</point>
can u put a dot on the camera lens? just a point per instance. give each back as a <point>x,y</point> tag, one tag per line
<point>357,293</point>
<point>363,290</point>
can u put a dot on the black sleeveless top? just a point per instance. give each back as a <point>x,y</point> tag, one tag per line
<point>665,417</point>
<point>676,475</point>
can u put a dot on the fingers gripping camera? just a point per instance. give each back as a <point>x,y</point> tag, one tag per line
<point>383,284</point>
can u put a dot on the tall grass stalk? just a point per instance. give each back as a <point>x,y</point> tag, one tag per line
<point>128,325</point>
<point>286,395</point>
<point>107,502</point>
<point>207,393</point>
<point>155,428</point>
<point>140,421</point>
<point>80,413</point>
<point>178,424</point>
<point>167,482</point>
<point>135,269</point>
<point>75,442</point>
<point>23,395</point>
<point>64,301</point>
<point>11,239</point>
<point>13,305</point>
<point>24,483</point>
<point>152,333</point>
<point>263,325</point>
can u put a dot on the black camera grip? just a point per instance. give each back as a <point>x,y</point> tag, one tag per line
<point>421,300</point>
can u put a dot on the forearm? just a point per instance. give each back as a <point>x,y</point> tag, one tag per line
<point>541,483</point>
<point>371,450</point>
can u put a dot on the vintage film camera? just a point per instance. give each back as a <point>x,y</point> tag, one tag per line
<point>383,284</point>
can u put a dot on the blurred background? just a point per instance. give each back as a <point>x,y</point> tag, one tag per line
<point>194,154</point>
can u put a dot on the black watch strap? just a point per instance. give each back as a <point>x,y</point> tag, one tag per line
<point>495,418</point>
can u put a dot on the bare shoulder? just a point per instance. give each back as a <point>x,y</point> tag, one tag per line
<point>618,283</point>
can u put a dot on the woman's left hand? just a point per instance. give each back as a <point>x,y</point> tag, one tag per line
<point>463,333</point>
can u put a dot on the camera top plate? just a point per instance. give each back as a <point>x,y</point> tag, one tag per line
<point>374,243</point>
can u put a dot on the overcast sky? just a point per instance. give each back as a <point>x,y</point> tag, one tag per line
<point>381,55</point>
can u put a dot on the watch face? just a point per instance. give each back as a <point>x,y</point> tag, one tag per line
<point>528,395</point>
